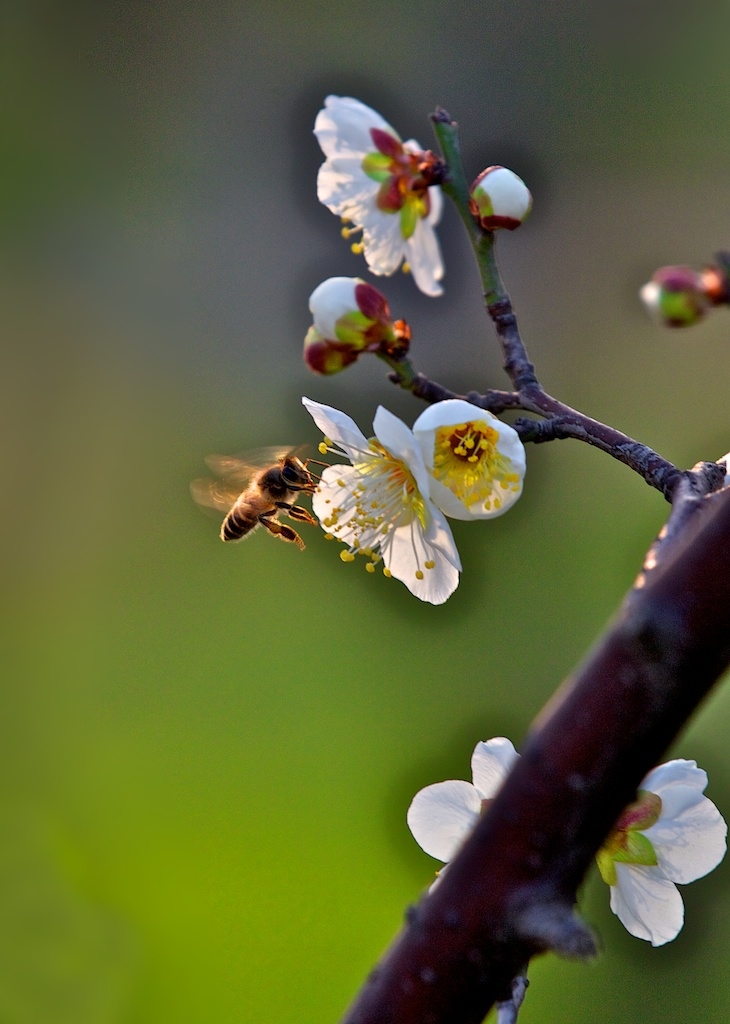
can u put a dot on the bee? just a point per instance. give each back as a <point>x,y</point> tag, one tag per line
<point>254,491</point>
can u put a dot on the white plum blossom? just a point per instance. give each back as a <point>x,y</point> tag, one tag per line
<point>671,835</point>
<point>442,815</point>
<point>380,507</point>
<point>477,463</point>
<point>377,183</point>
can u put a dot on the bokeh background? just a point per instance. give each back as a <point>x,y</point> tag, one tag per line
<point>206,753</point>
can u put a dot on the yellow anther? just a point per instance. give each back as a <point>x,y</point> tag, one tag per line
<point>419,574</point>
<point>430,564</point>
<point>347,556</point>
<point>329,536</point>
<point>369,567</point>
<point>357,248</point>
<point>322,448</point>
<point>340,483</point>
<point>406,268</point>
<point>387,573</point>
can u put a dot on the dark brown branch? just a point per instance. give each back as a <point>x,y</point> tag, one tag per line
<point>510,892</point>
<point>561,421</point>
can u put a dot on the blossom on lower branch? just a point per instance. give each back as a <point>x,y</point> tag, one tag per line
<point>382,186</point>
<point>671,834</point>
<point>380,507</point>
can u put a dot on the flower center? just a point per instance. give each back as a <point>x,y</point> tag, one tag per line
<point>403,187</point>
<point>626,844</point>
<point>467,461</point>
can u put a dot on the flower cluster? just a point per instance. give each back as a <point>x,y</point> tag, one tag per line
<point>459,461</point>
<point>391,503</point>
<point>671,835</point>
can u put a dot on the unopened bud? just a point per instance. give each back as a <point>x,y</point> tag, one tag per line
<point>499,199</point>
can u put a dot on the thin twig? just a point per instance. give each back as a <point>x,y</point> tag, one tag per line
<point>508,1009</point>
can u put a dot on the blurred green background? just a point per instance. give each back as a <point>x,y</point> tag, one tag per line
<point>207,752</point>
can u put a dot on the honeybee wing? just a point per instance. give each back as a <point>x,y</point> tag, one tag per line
<point>234,473</point>
<point>215,494</point>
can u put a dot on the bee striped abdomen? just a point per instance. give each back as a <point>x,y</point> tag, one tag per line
<point>237,524</point>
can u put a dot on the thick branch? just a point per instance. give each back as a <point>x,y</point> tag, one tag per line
<point>509,893</point>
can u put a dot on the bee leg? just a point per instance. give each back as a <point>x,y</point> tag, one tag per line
<point>282,531</point>
<point>302,515</point>
<point>297,512</point>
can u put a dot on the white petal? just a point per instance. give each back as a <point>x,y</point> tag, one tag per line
<point>442,816</point>
<point>385,246</point>
<point>439,536</point>
<point>692,842</point>
<point>338,427</point>
<point>424,256</point>
<point>491,762</point>
<point>394,435</point>
<point>333,490</point>
<point>405,552</point>
<point>344,126</point>
<point>331,300</point>
<point>346,190</point>
<point>398,439</point>
<point>647,904</point>
<point>675,773</point>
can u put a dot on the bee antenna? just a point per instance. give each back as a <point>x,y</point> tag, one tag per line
<point>317,476</point>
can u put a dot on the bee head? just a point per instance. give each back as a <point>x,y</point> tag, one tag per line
<point>296,475</point>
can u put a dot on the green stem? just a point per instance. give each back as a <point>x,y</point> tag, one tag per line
<point>457,189</point>
<point>499,307</point>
